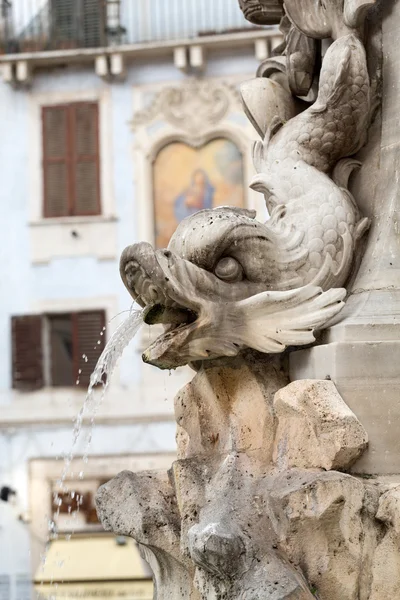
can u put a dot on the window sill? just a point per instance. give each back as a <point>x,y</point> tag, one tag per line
<point>65,237</point>
<point>82,219</point>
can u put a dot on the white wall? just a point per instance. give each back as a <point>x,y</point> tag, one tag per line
<point>137,415</point>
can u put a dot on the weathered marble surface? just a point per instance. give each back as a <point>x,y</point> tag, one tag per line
<point>361,352</point>
<point>260,504</point>
<point>253,507</point>
<point>227,282</point>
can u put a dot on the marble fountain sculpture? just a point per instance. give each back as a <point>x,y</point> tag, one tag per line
<point>266,500</point>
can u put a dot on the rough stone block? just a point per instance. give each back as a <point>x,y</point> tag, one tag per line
<point>316,429</point>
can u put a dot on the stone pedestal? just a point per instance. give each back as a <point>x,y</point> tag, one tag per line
<point>361,353</point>
<point>258,505</point>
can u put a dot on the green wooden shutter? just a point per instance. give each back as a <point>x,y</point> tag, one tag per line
<point>56,163</point>
<point>93,23</point>
<point>64,24</point>
<point>27,352</point>
<point>77,23</point>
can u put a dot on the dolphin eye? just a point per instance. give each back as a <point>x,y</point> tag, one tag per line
<point>229,269</point>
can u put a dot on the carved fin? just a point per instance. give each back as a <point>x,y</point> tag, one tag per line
<point>271,321</point>
<point>274,126</point>
<point>361,227</point>
<point>258,156</point>
<point>260,148</point>
<point>263,100</point>
<point>343,170</point>
<point>339,86</point>
<point>355,11</point>
<point>259,183</point>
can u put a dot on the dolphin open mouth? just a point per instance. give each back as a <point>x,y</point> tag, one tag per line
<point>174,320</point>
<point>171,317</point>
<point>150,278</point>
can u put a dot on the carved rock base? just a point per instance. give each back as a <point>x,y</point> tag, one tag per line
<point>251,510</point>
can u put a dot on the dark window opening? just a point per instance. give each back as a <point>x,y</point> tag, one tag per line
<point>58,350</point>
<point>61,351</point>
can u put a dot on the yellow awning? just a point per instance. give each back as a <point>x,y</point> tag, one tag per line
<point>82,564</point>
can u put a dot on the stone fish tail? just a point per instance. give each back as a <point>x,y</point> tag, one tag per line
<point>303,171</point>
<point>334,127</point>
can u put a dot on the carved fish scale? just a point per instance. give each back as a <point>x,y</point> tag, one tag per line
<point>334,127</point>
<point>296,163</point>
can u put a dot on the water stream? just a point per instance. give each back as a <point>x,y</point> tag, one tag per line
<point>101,376</point>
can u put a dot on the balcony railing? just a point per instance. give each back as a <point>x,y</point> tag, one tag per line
<point>36,25</point>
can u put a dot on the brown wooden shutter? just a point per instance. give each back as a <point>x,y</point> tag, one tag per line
<point>87,333</point>
<point>27,352</point>
<point>86,179</point>
<point>56,163</point>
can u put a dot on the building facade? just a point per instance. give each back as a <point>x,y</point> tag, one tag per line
<point>117,120</point>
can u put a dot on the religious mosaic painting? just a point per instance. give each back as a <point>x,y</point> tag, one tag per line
<point>187,179</point>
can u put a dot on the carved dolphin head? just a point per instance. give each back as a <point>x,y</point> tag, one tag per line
<point>214,259</point>
<point>211,290</point>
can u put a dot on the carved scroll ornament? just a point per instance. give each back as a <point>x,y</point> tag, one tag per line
<point>192,107</point>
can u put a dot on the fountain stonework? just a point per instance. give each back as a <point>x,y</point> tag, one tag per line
<point>287,433</point>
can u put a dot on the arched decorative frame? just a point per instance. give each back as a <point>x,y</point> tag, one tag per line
<point>156,126</point>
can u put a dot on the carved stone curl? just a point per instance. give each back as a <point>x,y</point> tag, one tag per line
<point>191,107</point>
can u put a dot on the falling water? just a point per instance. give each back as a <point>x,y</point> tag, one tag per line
<point>94,397</point>
<point>101,375</point>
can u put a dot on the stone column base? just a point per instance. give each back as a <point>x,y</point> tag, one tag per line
<point>367,375</point>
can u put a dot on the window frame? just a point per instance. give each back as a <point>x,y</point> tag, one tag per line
<point>71,159</point>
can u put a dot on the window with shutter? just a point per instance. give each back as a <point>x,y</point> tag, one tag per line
<point>27,352</point>
<point>77,23</point>
<point>64,23</point>
<point>72,342</point>
<point>71,173</point>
